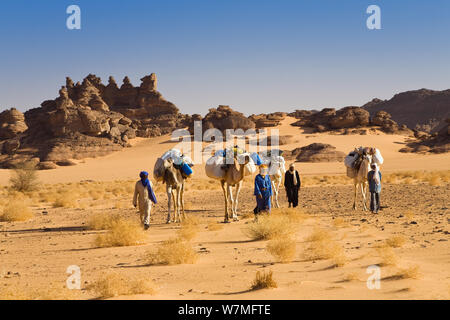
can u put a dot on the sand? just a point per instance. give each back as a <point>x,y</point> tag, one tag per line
<point>35,254</point>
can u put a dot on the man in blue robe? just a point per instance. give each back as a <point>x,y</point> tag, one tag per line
<point>263,190</point>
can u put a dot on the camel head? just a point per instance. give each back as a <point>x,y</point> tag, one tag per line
<point>365,165</point>
<point>172,175</point>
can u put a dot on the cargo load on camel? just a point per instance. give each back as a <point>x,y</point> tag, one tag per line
<point>353,160</point>
<point>180,161</point>
<point>216,167</point>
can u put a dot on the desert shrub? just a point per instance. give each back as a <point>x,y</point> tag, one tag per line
<point>65,199</point>
<point>283,249</point>
<point>319,235</point>
<point>387,255</point>
<point>114,284</point>
<point>269,227</point>
<point>325,248</point>
<point>351,277</point>
<point>173,251</point>
<point>24,177</point>
<point>122,232</point>
<point>294,215</point>
<point>396,241</point>
<point>263,280</point>
<point>434,180</point>
<point>407,273</point>
<point>102,221</point>
<point>16,210</point>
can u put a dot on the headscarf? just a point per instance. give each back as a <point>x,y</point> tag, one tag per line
<point>376,175</point>
<point>294,174</point>
<point>146,183</point>
<point>263,169</point>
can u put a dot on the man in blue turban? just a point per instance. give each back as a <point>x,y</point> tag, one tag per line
<point>144,192</point>
<point>263,190</point>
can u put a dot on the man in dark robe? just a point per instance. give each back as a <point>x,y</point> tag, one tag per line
<point>292,184</point>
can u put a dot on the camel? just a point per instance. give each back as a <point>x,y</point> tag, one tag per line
<point>174,180</point>
<point>276,173</point>
<point>233,178</point>
<point>360,178</point>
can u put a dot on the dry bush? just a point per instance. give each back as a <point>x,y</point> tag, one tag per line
<point>114,284</point>
<point>263,280</point>
<point>172,251</point>
<point>214,226</point>
<point>51,292</point>
<point>283,249</point>
<point>247,215</point>
<point>319,235</point>
<point>294,215</point>
<point>122,232</point>
<point>66,199</point>
<point>326,249</point>
<point>102,221</point>
<point>24,177</point>
<point>396,241</point>
<point>353,276</point>
<point>408,273</point>
<point>387,255</point>
<point>16,210</point>
<point>96,195</point>
<point>269,227</point>
<point>434,180</point>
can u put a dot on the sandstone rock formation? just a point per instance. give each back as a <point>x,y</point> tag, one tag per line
<point>345,119</point>
<point>424,110</point>
<point>267,120</point>
<point>438,142</point>
<point>223,118</point>
<point>87,119</point>
<point>318,152</point>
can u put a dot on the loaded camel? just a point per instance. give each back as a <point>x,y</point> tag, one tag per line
<point>234,177</point>
<point>359,176</point>
<point>276,173</point>
<point>174,180</point>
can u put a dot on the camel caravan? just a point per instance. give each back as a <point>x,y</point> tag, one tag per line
<point>230,166</point>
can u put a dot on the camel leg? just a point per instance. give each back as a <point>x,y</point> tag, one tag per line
<point>176,208</point>
<point>226,200</point>
<point>238,189</point>
<point>182,201</point>
<point>169,202</point>
<point>275,187</point>
<point>355,186</point>
<point>230,199</point>
<point>363,192</point>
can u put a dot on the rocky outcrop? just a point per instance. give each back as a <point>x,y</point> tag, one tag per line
<point>348,120</point>
<point>267,120</point>
<point>423,110</point>
<point>223,118</point>
<point>318,152</point>
<point>87,119</point>
<point>438,142</point>
<point>12,123</point>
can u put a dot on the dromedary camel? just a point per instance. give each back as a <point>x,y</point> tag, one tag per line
<point>360,178</point>
<point>233,178</point>
<point>276,173</point>
<point>174,180</point>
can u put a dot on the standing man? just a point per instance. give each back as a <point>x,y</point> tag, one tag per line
<point>263,191</point>
<point>144,192</point>
<point>374,178</point>
<point>292,184</point>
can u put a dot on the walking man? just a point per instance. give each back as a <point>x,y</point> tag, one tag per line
<point>143,193</point>
<point>374,178</point>
<point>263,190</point>
<point>292,185</point>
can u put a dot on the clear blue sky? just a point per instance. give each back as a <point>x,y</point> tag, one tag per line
<point>255,55</point>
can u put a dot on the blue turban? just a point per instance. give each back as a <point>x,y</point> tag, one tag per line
<point>146,183</point>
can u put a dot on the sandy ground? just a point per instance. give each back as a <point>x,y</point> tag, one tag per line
<point>36,253</point>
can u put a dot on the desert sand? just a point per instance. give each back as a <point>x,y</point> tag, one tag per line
<point>36,253</point>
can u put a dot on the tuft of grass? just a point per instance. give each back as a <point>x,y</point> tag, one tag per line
<point>294,215</point>
<point>52,292</point>
<point>114,284</point>
<point>269,227</point>
<point>339,222</point>
<point>319,235</point>
<point>16,210</point>
<point>263,280</point>
<point>102,221</point>
<point>172,251</point>
<point>66,199</point>
<point>349,277</point>
<point>189,228</point>
<point>396,241</point>
<point>24,177</point>
<point>324,249</point>
<point>407,273</point>
<point>388,256</point>
<point>283,249</point>
<point>122,232</point>
<point>434,180</point>
<point>409,215</point>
